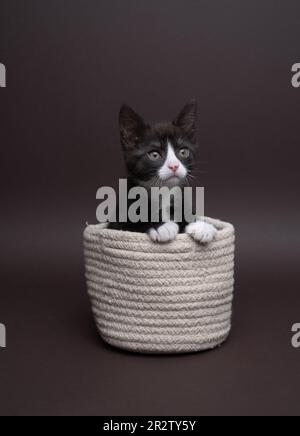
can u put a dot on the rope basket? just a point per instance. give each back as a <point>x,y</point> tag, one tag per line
<point>160,298</point>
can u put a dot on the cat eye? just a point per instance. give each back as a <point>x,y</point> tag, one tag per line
<point>154,155</point>
<point>184,153</point>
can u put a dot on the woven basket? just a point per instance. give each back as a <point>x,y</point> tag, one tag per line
<point>160,298</point>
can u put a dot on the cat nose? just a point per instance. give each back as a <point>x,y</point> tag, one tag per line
<point>173,168</point>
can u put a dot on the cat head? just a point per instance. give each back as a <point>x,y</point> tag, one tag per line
<point>161,154</point>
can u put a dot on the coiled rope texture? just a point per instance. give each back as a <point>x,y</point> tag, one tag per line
<point>160,298</point>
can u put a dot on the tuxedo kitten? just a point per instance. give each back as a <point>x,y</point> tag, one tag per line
<point>159,155</point>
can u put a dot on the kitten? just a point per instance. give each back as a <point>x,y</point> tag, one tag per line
<point>161,155</point>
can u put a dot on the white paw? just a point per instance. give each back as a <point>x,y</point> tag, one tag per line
<point>165,233</point>
<point>201,231</point>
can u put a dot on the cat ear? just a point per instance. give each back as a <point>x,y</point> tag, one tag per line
<point>187,120</point>
<point>132,127</point>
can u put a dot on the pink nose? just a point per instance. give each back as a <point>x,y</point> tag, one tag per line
<point>173,168</point>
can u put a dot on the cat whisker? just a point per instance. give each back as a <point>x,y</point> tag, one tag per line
<point>192,177</point>
<point>155,182</point>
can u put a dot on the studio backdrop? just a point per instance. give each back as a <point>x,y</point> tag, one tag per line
<point>66,68</point>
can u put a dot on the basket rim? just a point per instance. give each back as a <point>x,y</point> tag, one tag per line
<point>224,230</point>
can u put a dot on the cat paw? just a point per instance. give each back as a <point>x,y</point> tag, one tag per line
<point>201,231</point>
<point>165,233</point>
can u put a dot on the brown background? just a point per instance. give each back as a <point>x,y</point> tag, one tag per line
<point>70,65</point>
